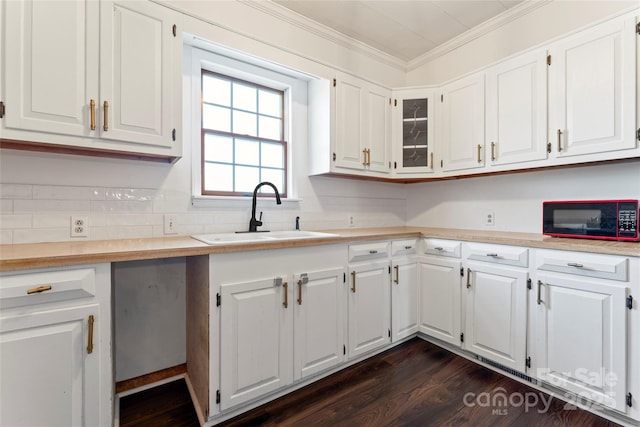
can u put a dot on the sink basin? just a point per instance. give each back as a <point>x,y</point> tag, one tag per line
<point>231,238</point>
<point>238,238</point>
<point>298,234</point>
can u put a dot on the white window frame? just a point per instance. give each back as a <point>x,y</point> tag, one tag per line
<point>225,61</point>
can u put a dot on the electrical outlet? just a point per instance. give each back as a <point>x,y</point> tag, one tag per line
<point>489,218</point>
<point>351,222</point>
<point>79,226</point>
<point>170,224</point>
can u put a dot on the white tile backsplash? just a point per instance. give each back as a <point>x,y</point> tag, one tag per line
<point>57,192</point>
<point>16,191</point>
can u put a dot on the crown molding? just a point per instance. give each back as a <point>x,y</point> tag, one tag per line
<point>478,31</point>
<point>320,30</point>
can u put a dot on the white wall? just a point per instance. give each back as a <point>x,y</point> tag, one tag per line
<point>516,199</point>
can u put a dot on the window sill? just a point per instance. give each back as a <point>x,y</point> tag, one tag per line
<point>232,202</point>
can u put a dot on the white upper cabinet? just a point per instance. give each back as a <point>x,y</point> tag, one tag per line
<point>461,116</point>
<point>516,110</point>
<point>363,125</point>
<point>592,90</point>
<point>51,65</point>
<point>413,130</point>
<point>105,73</point>
<point>137,76</point>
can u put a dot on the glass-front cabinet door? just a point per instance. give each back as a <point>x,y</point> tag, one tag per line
<point>413,132</point>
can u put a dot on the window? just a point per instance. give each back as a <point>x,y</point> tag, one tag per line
<point>243,136</point>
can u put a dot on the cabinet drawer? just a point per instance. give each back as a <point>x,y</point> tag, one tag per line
<point>583,264</point>
<point>403,247</point>
<point>441,247</point>
<point>366,251</point>
<point>498,254</point>
<point>47,286</point>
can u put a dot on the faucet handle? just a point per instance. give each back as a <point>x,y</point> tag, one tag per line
<point>260,218</point>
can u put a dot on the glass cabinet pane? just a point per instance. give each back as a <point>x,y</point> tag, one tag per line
<point>414,133</point>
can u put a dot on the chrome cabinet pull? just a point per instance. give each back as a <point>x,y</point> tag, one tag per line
<point>493,150</point>
<point>90,321</point>
<point>479,150</point>
<point>92,110</point>
<point>468,278</point>
<point>397,279</point>
<point>299,292</point>
<point>539,300</point>
<point>575,264</point>
<point>353,282</point>
<point>39,289</point>
<point>559,140</point>
<point>105,126</point>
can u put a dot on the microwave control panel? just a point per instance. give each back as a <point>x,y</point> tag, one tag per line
<point>628,219</point>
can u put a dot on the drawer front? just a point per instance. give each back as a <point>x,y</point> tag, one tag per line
<point>448,248</point>
<point>497,254</point>
<point>365,251</point>
<point>583,264</point>
<point>47,286</point>
<point>403,247</point>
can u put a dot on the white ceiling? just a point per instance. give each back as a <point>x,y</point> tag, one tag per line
<point>404,29</point>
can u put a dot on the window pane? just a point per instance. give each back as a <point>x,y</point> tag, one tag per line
<point>247,178</point>
<point>244,97</point>
<point>216,90</point>
<point>216,118</point>
<point>270,103</point>
<point>244,123</point>
<point>247,152</point>
<point>274,176</point>
<point>270,128</point>
<point>218,148</point>
<point>272,155</point>
<point>218,177</point>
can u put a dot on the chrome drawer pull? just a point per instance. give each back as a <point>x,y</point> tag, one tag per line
<point>575,264</point>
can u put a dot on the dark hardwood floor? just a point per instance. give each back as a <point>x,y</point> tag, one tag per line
<point>414,384</point>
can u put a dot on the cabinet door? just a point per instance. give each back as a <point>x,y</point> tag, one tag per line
<point>51,65</point>
<point>348,118</point>
<point>581,337</point>
<point>439,297</point>
<point>517,110</point>
<point>462,124</point>
<point>255,339</point>
<point>319,321</point>
<point>377,128</point>
<point>496,314</point>
<point>592,90</point>
<point>49,376</point>
<point>404,298</point>
<point>412,139</point>
<point>136,65</point>
<point>368,307</point>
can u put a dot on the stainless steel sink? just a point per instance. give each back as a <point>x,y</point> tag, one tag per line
<point>272,236</point>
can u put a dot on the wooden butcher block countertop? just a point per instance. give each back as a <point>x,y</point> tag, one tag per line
<point>60,254</point>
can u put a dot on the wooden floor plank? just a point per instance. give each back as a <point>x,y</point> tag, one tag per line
<point>414,384</point>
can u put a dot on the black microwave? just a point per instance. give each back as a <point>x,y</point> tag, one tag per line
<point>591,219</point>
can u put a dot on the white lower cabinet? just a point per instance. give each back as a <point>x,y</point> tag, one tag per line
<point>495,303</point>
<point>369,327</point>
<point>275,325</point>
<point>439,298</point>
<point>255,339</point>
<point>404,289</point>
<point>55,352</point>
<point>583,325</point>
<point>319,321</point>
